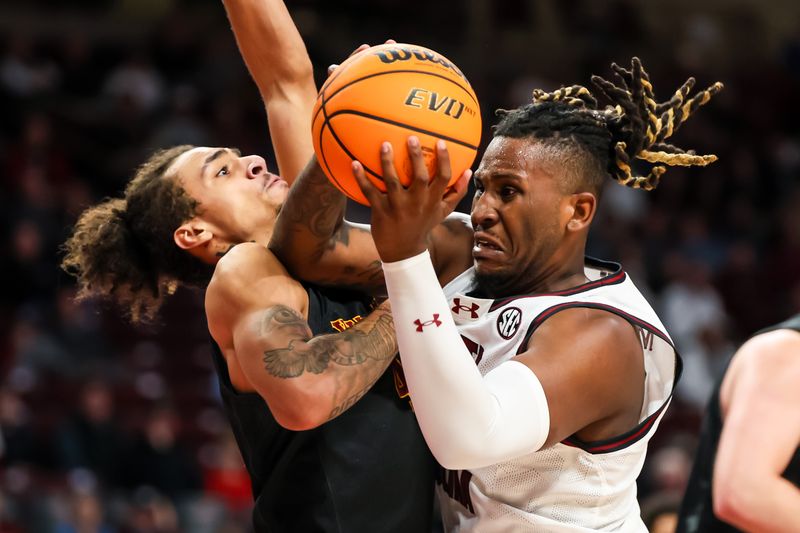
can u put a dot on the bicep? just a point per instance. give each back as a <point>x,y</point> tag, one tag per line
<point>263,341</point>
<point>289,119</point>
<point>762,414</point>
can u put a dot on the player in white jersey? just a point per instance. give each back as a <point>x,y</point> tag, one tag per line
<point>586,483</point>
<point>548,431</point>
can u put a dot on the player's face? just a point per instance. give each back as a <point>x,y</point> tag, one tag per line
<point>239,198</point>
<point>519,215</point>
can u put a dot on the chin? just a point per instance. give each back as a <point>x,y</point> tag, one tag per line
<point>492,284</point>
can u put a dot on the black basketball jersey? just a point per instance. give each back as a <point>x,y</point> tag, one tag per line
<point>368,470</point>
<point>697,510</point>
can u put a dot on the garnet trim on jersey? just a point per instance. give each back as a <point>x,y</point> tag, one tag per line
<point>550,311</point>
<point>616,275</point>
<point>622,441</point>
<point>640,430</point>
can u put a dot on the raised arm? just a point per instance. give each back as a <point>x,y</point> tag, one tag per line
<point>760,400</point>
<point>256,314</point>
<point>314,241</point>
<point>276,57</point>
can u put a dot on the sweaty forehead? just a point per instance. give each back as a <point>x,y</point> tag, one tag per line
<point>518,156</point>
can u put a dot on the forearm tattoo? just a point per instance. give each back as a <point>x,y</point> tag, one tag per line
<point>366,279</point>
<point>315,204</point>
<point>372,340</point>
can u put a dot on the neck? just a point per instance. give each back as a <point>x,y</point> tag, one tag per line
<point>559,274</point>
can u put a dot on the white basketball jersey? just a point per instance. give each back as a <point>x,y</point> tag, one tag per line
<point>573,486</point>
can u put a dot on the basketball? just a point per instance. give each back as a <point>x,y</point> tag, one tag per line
<point>387,93</point>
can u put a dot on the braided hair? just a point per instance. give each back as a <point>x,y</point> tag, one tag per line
<point>634,126</point>
<point>123,249</point>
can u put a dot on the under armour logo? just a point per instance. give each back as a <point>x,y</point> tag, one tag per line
<point>436,322</point>
<point>458,307</point>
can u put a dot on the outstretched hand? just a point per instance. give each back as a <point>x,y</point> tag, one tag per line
<point>332,68</point>
<point>403,217</point>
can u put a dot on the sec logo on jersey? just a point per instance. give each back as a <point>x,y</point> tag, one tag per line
<point>508,322</point>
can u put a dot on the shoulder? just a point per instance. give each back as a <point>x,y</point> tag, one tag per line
<point>245,263</point>
<point>456,224</point>
<point>590,339</point>
<point>249,274</point>
<point>594,325</point>
<point>769,354</point>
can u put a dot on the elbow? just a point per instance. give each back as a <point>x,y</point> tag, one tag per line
<point>299,411</point>
<point>302,419</point>
<point>293,81</point>
<point>460,453</point>
<point>735,503</point>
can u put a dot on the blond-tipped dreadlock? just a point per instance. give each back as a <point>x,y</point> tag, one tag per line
<point>634,126</point>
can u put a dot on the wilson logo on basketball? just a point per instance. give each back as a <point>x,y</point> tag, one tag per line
<point>402,53</point>
<point>437,103</point>
<point>508,322</point>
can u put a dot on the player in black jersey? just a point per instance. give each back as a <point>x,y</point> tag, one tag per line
<point>746,473</point>
<point>326,450</point>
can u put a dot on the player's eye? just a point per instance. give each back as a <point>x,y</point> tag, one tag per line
<point>507,192</point>
<point>223,171</point>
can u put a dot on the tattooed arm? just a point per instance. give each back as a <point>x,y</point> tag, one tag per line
<point>257,315</point>
<point>315,242</point>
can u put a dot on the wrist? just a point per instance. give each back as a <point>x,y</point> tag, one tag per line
<point>398,256</point>
<point>406,262</point>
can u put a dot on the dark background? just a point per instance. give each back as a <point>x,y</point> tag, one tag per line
<point>115,428</point>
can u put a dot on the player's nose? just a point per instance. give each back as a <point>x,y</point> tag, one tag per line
<point>256,166</point>
<point>483,214</point>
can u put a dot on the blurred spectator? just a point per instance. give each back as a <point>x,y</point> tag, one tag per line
<point>704,361</point>
<point>79,330</point>
<point>136,81</point>
<point>91,438</point>
<point>34,347</point>
<point>150,512</point>
<point>24,72</point>
<point>85,515</point>
<point>17,437</point>
<point>225,476</point>
<point>660,512</point>
<point>159,459</point>
<point>689,302</point>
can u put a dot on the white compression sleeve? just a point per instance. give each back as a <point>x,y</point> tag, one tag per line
<point>468,420</point>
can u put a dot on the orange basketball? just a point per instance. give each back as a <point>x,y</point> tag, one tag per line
<point>386,93</point>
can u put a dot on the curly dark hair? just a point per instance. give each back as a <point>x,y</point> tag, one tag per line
<point>634,126</point>
<point>123,248</point>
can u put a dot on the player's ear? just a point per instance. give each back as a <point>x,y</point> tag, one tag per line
<point>583,207</point>
<point>191,234</point>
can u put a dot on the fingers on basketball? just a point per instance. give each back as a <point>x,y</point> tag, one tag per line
<point>387,93</point>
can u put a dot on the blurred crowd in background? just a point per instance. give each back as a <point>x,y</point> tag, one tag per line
<point>106,427</point>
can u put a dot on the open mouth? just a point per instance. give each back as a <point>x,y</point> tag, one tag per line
<point>485,247</point>
<point>485,242</point>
